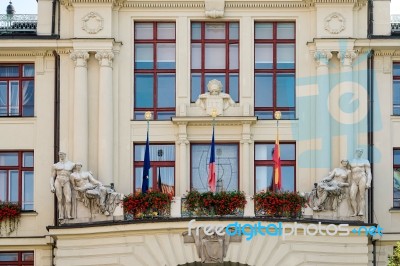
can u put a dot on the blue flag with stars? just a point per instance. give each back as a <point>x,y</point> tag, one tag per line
<point>146,166</point>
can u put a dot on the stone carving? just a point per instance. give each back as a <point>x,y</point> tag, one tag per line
<point>105,58</point>
<point>361,178</point>
<point>72,185</point>
<point>92,23</point>
<point>346,57</point>
<point>80,58</point>
<point>214,8</point>
<point>92,193</point>
<point>335,23</point>
<point>211,247</point>
<point>331,190</point>
<point>60,184</point>
<point>214,100</point>
<point>322,57</point>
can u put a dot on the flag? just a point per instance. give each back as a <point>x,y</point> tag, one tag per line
<point>159,179</point>
<point>211,166</point>
<point>277,165</point>
<point>146,167</point>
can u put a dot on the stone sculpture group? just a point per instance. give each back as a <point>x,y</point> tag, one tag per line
<point>71,185</point>
<point>350,181</point>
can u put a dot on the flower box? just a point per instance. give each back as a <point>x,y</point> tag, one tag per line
<point>10,215</point>
<point>149,205</point>
<point>279,204</point>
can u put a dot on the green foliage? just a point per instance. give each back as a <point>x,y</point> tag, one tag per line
<point>394,260</point>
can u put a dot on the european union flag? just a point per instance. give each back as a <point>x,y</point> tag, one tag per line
<point>146,166</point>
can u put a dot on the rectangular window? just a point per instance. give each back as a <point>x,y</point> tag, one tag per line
<point>215,55</point>
<point>264,166</point>
<point>162,167</point>
<point>17,258</point>
<point>396,178</point>
<point>17,89</point>
<point>16,178</point>
<point>396,88</point>
<point>154,70</point>
<point>274,69</point>
<point>226,166</point>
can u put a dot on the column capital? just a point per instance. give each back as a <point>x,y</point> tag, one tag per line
<point>80,58</point>
<point>182,141</point>
<point>322,57</point>
<point>246,141</point>
<point>105,58</point>
<point>346,57</point>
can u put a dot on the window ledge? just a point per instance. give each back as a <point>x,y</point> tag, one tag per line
<point>17,119</point>
<point>29,213</point>
<point>394,210</point>
<point>395,118</point>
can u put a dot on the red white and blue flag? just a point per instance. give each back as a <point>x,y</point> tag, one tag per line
<point>211,167</point>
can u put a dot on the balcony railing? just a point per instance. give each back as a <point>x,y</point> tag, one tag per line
<point>18,24</point>
<point>395,22</point>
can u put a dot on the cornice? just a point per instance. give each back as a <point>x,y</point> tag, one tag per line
<point>222,121</point>
<point>25,52</point>
<point>164,4</point>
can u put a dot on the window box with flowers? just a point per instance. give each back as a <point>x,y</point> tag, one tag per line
<point>210,204</point>
<point>279,204</point>
<point>149,205</point>
<point>10,214</point>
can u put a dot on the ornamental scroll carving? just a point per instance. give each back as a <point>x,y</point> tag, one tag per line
<point>335,23</point>
<point>92,23</point>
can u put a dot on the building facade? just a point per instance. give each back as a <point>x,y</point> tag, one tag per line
<point>82,80</point>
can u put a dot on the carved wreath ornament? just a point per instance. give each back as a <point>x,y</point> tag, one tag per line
<point>335,23</point>
<point>92,23</point>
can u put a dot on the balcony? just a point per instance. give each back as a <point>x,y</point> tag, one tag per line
<point>19,24</point>
<point>395,23</point>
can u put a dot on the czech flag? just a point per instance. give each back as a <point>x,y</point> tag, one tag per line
<point>211,167</point>
<point>277,166</point>
<point>146,167</point>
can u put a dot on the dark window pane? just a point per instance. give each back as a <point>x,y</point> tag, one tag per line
<point>396,97</point>
<point>14,98</point>
<point>287,151</point>
<point>263,56</point>
<point>166,31</point>
<point>196,56</point>
<point>264,90</point>
<point>9,256</point>
<point>196,86</point>
<point>264,114</point>
<point>165,115</point>
<point>144,56</point>
<point>27,159</point>
<point>28,98</point>
<point>9,159</point>
<point>396,187</point>
<point>285,31</point>
<point>226,161</point>
<point>287,178</point>
<point>264,151</point>
<point>168,152</point>
<point>14,185</point>
<point>285,56</point>
<point>396,157</point>
<point>139,179</point>
<point>28,70</point>
<point>9,71</point>
<point>234,56</point>
<point>27,256</point>
<point>288,114</point>
<point>234,87</point>
<point>196,31</point>
<point>166,56</point>
<point>3,185</point>
<point>144,31</point>
<point>215,56</point>
<point>166,90</point>
<point>3,98</point>
<point>27,193</point>
<point>264,178</point>
<point>285,90</point>
<point>167,177</point>
<point>233,31</point>
<point>215,30</point>
<point>139,115</point>
<point>396,69</point>
<point>263,31</point>
<point>143,90</point>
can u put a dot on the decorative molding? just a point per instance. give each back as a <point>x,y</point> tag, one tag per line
<point>105,58</point>
<point>214,8</point>
<point>346,57</point>
<point>322,57</point>
<point>386,52</point>
<point>335,23</point>
<point>26,53</point>
<point>80,58</point>
<point>267,4</point>
<point>145,4</point>
<point>92,23</point>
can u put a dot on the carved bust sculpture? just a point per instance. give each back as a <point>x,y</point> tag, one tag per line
<point>214,99</point>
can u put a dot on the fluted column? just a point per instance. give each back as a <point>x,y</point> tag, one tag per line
<point>106,136</point>
<point>347,141</point>
<point>322,116</point>
<point>81,113</point>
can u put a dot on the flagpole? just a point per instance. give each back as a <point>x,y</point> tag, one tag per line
<point>277,166</point>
